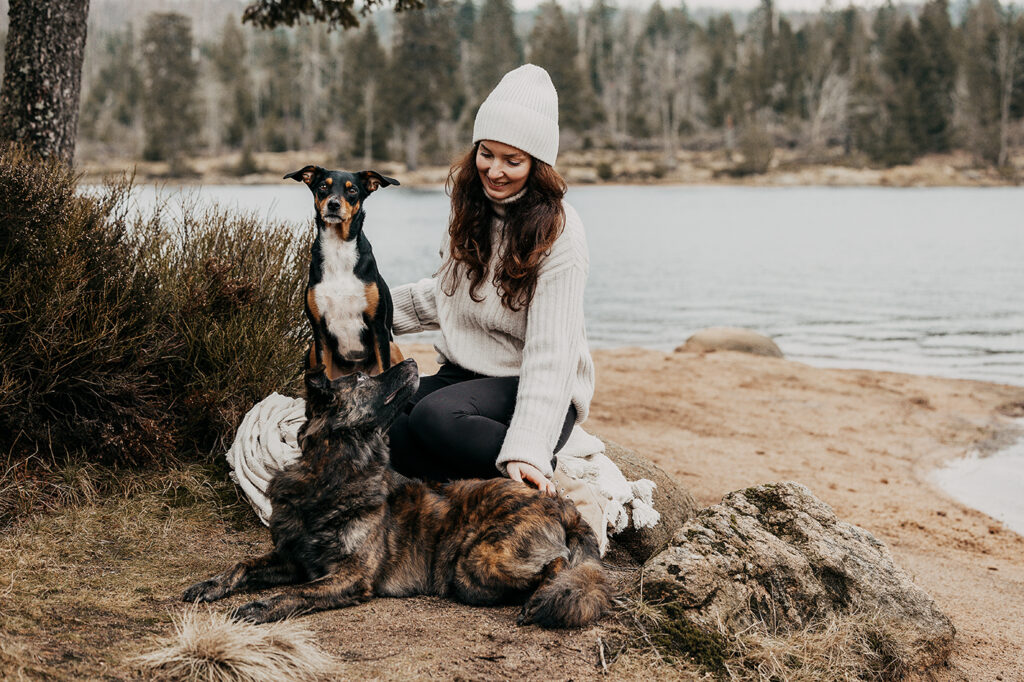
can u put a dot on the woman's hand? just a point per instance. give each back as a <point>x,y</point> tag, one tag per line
<point>527,473</point>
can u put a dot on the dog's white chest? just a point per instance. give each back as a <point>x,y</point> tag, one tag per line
<point>341,296</point>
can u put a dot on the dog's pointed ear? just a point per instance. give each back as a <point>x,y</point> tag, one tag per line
<point>372,180</point>
<point>317,385</point>
<point>306,174</point>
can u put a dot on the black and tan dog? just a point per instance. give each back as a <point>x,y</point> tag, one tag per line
<point>348,303</point>
<point>350,527</point>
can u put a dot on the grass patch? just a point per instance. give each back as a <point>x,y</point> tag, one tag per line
<point>82,588</point>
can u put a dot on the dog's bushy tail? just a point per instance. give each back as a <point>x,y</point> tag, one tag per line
<point>575,591</point>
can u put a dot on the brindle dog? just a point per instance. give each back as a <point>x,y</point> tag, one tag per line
<point>350,527</point>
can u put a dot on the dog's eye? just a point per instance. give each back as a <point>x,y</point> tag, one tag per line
<point>323,186</point>
<point>352,191</point>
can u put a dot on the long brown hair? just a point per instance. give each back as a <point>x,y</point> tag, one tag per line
<point>532,224</point>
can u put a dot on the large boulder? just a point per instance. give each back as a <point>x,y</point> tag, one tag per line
<point>775,553</point>
<point>671,500</point>
<point>730,338</point>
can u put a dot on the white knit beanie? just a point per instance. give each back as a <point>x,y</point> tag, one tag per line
<point>522,111</point>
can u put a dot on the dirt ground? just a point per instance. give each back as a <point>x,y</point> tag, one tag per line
<point>83,590</point>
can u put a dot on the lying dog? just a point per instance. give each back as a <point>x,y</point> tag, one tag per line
<point>348,304</point>
<point>351,527</point>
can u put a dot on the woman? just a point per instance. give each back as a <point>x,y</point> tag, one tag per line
<point>516,371</point>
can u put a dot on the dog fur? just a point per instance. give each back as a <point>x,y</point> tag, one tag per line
<point>350,527</point>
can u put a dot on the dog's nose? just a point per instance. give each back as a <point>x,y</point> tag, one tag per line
<point>333,205</point>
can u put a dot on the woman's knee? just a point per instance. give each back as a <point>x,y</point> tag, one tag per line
<point>433,421</point>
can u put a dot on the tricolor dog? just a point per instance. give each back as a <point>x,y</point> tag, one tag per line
<point>348,304</point>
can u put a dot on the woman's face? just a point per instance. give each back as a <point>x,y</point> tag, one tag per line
<point>503,169</point>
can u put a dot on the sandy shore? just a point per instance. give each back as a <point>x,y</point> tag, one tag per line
<point>866,442</point>
<point>86,588</point>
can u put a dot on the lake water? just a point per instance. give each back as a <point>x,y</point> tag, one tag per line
<point>991,484</point>
<point>927,281</point>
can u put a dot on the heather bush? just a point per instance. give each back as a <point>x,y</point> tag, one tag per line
<point>131,340</point>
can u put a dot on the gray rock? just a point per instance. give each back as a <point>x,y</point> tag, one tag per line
<point>778,554</point>
<point>730,338</point>
<point>671,500</point>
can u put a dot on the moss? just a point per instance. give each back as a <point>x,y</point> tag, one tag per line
<point>680,638</point>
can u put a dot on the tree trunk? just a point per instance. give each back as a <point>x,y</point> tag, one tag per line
<point>1007,60</point>
<point>43,76</point>
<point>412,146</point>
<point>368,108</point>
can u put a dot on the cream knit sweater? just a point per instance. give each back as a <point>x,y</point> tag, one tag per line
<point>544,344</point>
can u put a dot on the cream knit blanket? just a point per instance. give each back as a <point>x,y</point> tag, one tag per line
<point>267,441</point>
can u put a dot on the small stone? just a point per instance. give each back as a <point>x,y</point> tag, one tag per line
<point>730,338</point>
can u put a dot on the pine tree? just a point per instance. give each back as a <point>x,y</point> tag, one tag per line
<point>788,98</point>
<point>670,56</point>
<point>758,73</point>
<point>553,46</point>
<point>904,62</point>
<point>230,61</point>
<point>367,120</point>
<point>171,111</point>
<point>279,92</point>
<point>994,75</point>
<point>111,109</point>
<point>718,80</point>
<point>465,20</point>
<point>495,48</point>
<point>422,80</point>
<point>938,75</point>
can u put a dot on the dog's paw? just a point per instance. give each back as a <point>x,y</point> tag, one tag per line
<point>254,612</point>
<point>207,590</point>
<point>527,614</point>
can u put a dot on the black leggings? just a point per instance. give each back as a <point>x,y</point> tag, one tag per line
<point>455,423</point>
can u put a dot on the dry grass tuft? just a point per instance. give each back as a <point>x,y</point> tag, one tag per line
<point>836,646</point>
<point>208,646</point>
<point>17,662</point>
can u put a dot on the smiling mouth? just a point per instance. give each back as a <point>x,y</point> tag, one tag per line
<point>497,186</point>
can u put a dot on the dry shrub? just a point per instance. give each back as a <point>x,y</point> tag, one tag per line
<point>208,646</point>
<point>757,148</point>
<point>131,340</point>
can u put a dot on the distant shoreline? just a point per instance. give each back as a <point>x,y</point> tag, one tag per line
<point>596,167</point>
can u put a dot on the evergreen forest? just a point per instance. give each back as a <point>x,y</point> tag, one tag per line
<point>882,85</point>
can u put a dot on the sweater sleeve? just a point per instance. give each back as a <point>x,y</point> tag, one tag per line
<point>415,306</point>
<point>549,367</point>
